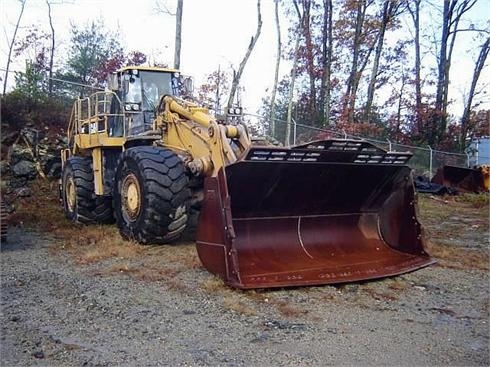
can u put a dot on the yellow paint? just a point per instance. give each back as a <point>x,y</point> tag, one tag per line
<point>485,170</point>
<point>98,171</point>
<point>186,128</point>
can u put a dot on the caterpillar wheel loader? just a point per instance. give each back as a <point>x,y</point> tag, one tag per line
<point>330,211</point>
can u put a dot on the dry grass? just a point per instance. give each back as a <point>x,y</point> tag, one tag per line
<point>454,223</point>
<point>97,243</point>
<point>386,295</point>
<point>234,302</point>
<point>397,284</point>
<point>475,200</point>
<point>288,309</point>
<point>457,258</point>
<point>214,285</point>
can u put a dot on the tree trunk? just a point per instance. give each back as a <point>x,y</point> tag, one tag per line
<point>51,58</point>
<point>289,118</point>
<point>352,81</point>
<point>465,120</point>
<point>389,8</point>
<point>11,47</point>
<point>327,42</point>
<point>238,74</point>
<point>415,13</point>
<point>452,13</point>
<point>310,67</point>
<point>276,74</point>
<point>178,33</point>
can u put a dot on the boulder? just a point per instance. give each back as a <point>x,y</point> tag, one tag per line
<point>24,168</point>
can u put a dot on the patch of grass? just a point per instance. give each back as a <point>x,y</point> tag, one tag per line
<point>386,295</point>
<point>97,244</point>
<point>475,200</point>
<point>214,284</point>
<point>89,244</point>
<point>456,229</point>
<point>288,309</point>
<point>142,272</point>
<point>234,303</point>
<point>397,284</point>
<point>458,258</point>
<point>42,210</point>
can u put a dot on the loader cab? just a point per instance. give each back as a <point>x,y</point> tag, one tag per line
<point>139,90</point>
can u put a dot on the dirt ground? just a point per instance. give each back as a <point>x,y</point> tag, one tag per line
<point>85,298</point>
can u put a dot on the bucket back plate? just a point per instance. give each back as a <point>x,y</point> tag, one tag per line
<point>462,178</point>
<point>289,222</point>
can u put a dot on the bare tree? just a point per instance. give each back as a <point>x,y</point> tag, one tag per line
<point>327,45</point>
<point>465,120</point>
<point>289,118</point>
<point>161,7</point>
<point>276,74</point>
<point>389,11</point>
<point>452,13</point>
<point>241,67</point>
<point>51,58</point>
<point>12,43</point>
<point>178,33</point>
<point>415,14</point>
<point>358,63</point>
<point>310,66</point>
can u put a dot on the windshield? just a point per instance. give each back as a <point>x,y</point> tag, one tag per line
<point>147,87</point>
<point>155,84</point>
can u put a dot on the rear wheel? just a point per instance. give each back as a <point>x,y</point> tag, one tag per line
<point>151,195</point>
<point>79,200</point>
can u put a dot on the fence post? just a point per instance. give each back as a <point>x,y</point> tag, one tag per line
<point>294,131</point>
<point>430,161</point>
<point>389,144</point>
<point>477,163</point>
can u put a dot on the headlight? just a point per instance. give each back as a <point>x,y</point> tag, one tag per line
<point>127,107</point>
<point>235,111</point>
<point>135,107</point>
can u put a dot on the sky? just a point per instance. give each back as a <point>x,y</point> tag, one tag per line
<point>215,34</point>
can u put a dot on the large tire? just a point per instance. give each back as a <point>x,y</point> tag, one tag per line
<point>77,189</point>
<point>151,195</point>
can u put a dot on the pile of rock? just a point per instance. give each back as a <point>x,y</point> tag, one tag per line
<point>28,156</point>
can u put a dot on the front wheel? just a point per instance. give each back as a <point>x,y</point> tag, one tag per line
<point>151,195</point>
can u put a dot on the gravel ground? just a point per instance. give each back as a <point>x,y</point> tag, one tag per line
<point>58,312</point>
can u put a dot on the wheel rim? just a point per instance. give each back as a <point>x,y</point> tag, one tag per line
<point>71,194</point>
<point>131,197</point>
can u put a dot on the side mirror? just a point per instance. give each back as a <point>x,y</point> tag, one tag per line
<point>125,85</point>
<point>189,85</point>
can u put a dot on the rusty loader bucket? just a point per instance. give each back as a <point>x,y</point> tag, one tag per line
<point>328,212</point>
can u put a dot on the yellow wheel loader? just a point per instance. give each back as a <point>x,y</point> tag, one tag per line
<point>329,211</point>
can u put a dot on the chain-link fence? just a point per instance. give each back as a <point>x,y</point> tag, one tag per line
<point>425,161</point>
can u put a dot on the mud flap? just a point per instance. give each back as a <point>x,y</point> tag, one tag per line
<point>314,216</point>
